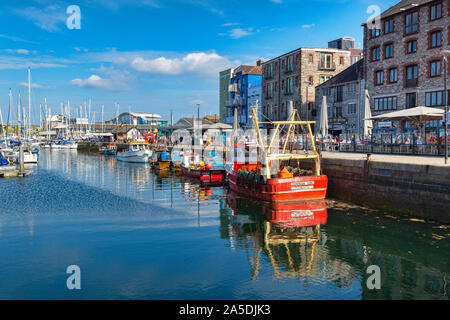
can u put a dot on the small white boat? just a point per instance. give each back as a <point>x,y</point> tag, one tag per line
<point>136,153</point>
<point>65,145</point>
<point>28,156</point>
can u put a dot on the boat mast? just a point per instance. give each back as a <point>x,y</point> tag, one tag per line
<point>45,113</point>
<point>49,117</point>
<point>9,112</point>
<point>29,103</point>
<point>18,116</point>
<point>3,130</point>
<point>89,115</point>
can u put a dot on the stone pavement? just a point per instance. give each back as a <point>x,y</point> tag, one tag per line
<point>399,159</point>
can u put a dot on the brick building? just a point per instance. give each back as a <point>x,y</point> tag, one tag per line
<point>403,61</point>
<point>289,80</point>
<point>347,43</point>
<point>345,99</point>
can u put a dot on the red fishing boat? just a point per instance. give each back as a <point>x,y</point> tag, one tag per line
<point>284,215</point>
<point>206,173</point>
<point>279,176</point>
<point>303,214</point>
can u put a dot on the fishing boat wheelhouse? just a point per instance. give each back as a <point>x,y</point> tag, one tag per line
<point>288,180</point>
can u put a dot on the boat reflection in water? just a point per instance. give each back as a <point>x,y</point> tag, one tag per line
<point>288,234</point>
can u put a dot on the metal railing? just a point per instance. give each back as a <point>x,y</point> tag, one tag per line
<point>406,144</point>
<point>327,66</point>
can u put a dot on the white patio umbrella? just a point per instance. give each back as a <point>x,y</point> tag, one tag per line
<point>417,114</point>
<point>324,118</point>
<point>368,124</point>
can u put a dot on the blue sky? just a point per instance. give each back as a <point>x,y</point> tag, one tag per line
<point>156,55</point>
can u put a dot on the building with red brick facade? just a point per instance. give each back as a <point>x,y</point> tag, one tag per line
<point>403,58</point>
<point>289,80</point>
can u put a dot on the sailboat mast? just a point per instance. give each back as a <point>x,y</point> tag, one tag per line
<point>1,120</point>
<point>40,115</point>
<point>9,112</point>
<point>102,116</point>
<point>18,116</point>
<point>29,102</point>
<point>49,121</point>
<point>89,114</point>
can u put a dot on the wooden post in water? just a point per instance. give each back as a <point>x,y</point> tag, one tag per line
<point>21,160</point>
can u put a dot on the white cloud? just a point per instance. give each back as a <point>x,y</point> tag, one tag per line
<point>15,39</point>
<point>8,62</point>
<point>193,63</point>
<point>113,80</point>
<point>117,4</point>
<point>48,18</point>
<point>18,51</point>
<point>230,24</point>
<point>238,33</point>
<point>81,49</point>
<point>33,85</point>
<point>93,81</point>
<point>307,26</point>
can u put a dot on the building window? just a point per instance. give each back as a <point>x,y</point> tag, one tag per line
<point>389,51</point>
<point>355,59</point>
<point>412,22</point>
<point>338,112</point>
<point>290,64</point>
<point>326,61</point>
<point>411,76</point>
<point>351,108</point>
<point>269,91</point>
<point>412,46</point>
<point>436,11</point>
<point>310,58</point>
<point>290,85</point>
<point>341,60</point>
<point>393,75</point>
<point>433,99</point>
<point>379,77</point>
<point>375,32</point>
<point>376,54</point>
<point>435,68</point>
<point>386,103</point>
<point>311,80</point>
<point>339,94</point>
<point>389,26</point>
<point>436,39</point>
<point>411,100</point>
<point>324,78</point>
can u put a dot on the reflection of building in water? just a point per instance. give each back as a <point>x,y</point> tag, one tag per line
<point>289,235</point>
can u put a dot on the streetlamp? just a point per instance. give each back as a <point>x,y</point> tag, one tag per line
<point>445,53</point>
<point>198,111</point>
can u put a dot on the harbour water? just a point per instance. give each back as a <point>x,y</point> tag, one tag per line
<point>137,234</point>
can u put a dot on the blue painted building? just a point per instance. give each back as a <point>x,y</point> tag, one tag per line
<point>245,92</point>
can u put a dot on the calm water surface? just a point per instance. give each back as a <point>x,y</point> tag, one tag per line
<point>139,235</point>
